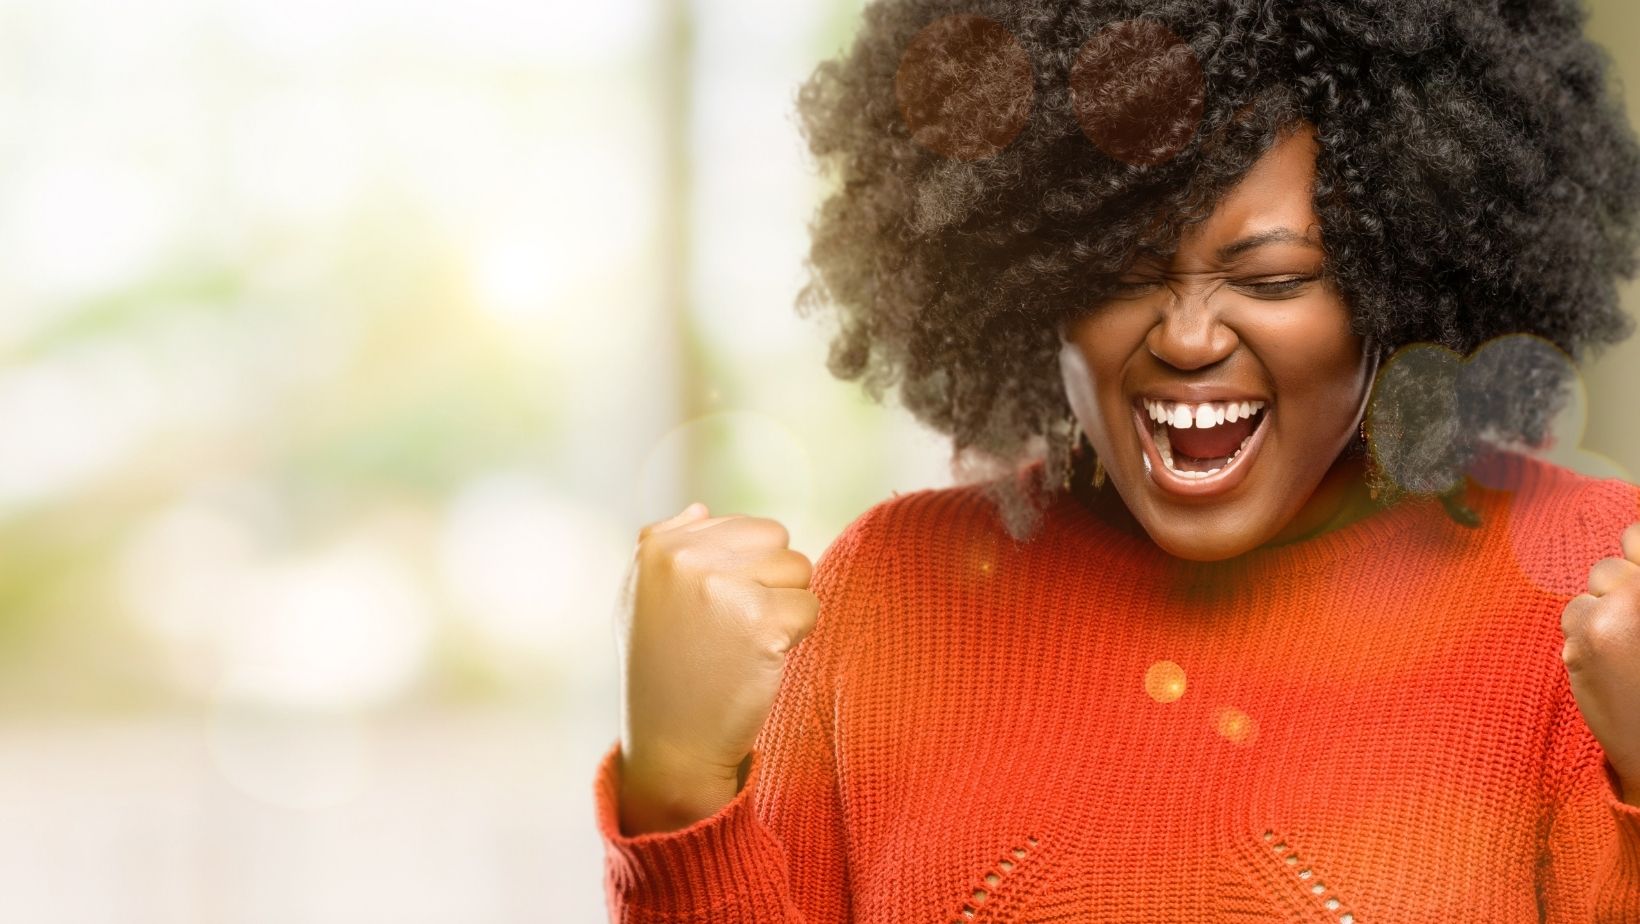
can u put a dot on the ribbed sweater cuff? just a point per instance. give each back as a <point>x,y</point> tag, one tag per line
<point>726,859</point>
<point>1628,833</point>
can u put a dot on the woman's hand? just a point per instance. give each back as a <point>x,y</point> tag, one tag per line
<point>1602,655</point>
<point>709,609</point>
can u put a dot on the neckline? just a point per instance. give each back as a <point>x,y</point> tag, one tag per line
<point>1074,522</point>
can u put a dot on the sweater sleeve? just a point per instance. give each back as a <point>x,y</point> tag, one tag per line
<point>777,851</point>
<point>1590,868</point>
<point>1589,872</point>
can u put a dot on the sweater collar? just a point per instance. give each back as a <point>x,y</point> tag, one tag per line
<point>1415,519</point>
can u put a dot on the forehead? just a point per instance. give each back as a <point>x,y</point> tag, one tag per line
<point>1276,192</point>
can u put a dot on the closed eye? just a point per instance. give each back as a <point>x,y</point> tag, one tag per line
<point>1270,288</point>
<point>1276,288</point>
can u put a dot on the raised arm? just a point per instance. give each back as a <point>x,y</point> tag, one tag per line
<point>1590,867</point>
<point>777,850</point>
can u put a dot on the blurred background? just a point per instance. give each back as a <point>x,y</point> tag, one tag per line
<point>344,347</point>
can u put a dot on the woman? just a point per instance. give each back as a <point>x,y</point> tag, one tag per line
<point>1266,618</point>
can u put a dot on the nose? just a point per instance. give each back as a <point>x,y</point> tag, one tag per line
<point>1189,334</point>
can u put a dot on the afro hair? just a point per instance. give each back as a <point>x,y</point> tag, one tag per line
<point>1476,178</point>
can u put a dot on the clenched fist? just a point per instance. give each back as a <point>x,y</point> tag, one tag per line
<point>708,611</point>
<point>1602,655</point>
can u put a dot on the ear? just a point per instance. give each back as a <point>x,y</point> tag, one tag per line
<point>1375,357</point>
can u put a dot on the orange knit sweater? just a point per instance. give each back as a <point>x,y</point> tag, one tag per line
<point>1372,726</point>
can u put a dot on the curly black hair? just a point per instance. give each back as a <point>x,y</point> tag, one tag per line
<point>1476,178</point>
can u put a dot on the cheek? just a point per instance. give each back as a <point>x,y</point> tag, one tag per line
<point>1091,371</point>
<point>1103,342</point>
<point>1317,367</point>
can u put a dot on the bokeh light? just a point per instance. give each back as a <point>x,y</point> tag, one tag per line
<point>964,86</point>
<point>1138,92</point>
<point>1234,725</point>
<point>1164,681</point>
<point>343,350</point>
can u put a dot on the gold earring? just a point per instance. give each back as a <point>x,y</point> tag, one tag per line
<point>1370,465</point>
<point>1098,463</point>
<point>1070,459</point>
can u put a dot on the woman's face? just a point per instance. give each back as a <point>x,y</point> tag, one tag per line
<point>1239,318</point>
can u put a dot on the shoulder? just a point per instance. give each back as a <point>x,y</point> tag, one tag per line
<point>906,538</point>
<point>1559,521</point>
<point>1540,488</point>
<point>910,520</point>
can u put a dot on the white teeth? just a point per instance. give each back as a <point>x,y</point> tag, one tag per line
<point>1202,416</point>
<point>1164,448</point>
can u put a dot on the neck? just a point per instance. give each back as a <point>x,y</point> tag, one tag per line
<point>1340,499</point>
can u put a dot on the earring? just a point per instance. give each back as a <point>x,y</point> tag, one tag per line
<point>1070,462</point>
<point>1098,463</point>
<point>1370,464</point>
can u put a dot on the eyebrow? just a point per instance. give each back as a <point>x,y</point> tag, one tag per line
<point>1274,236</point>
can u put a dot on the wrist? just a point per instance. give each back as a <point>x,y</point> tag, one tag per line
<point>656,796</point>
<point>1625,785</point>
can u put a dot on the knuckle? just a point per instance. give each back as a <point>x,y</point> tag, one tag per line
<point>790,560</point>
<point>651,552</point>
<point>806,613</point>
<point>1573,616</point>
<point>1605,572</point>
<point>805,604</point>
<point>673,560</point>
<point>1573,655</point>
<point>690,557</point>
<point>775,637</point>
<point>793,603</point>
<point>770,530</point>
<point>1605,632</point>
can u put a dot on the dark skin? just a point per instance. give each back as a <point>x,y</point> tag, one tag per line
<point>1242,305</point>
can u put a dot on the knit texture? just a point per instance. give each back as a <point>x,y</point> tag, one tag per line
<point>1373,725</point>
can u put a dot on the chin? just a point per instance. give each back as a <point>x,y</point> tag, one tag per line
<point>1203,534</point>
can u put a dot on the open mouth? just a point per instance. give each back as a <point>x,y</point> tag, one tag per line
<point>1199,449</point>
